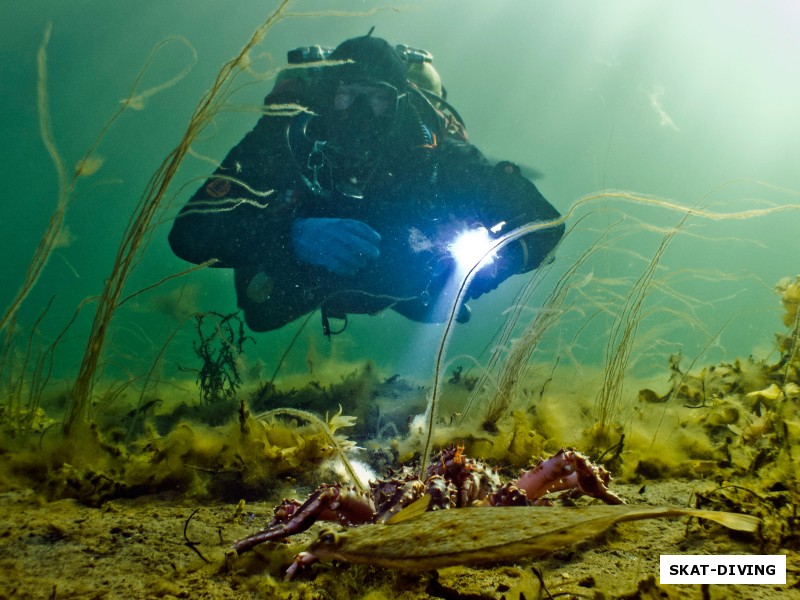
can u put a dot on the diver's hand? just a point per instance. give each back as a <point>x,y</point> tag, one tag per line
<point>342,246</point>
<point>512,259</point>
<point>485,281</point>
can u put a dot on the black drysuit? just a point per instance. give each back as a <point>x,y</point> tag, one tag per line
<point>418,198</point>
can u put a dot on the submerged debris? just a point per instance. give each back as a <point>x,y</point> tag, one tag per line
<point>451,481</point>
<point>432,540</point>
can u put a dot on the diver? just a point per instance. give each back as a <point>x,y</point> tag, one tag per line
<point>350,190</point>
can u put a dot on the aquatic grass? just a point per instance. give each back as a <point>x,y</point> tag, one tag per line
<point>139,226</point>
<point>26,376</point>
<point>511,359</point>
<point>623,330</point>
<point>149,383</point>
<point>678,383</point>
<point>89,164</point>
<point>619,356</point>
<point>66,186</point>
<point>513,368</point>
<point>328,428</point>
<point>53,237</point>
<point>25,371</point>
<point>439,362</point>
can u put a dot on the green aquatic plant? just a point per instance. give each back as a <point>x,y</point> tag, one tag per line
<point>626,321</point>
<point>66,188</point>
<point>328,429</point>
<point>440,364</point>
<point>36,366</point>
<point>140,225</point>
<point>37,354</point>
<point>28,374</point>
<point>789,292</point>
<point>219,350</point>
<point>621,338</point>
<point>513,368</point>
<point>24,378</point>
<point>57,234</point>
<point>25,373</point>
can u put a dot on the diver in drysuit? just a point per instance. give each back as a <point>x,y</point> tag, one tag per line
<point>348,194</point>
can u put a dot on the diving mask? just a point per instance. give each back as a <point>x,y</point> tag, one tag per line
<point>381,98</point>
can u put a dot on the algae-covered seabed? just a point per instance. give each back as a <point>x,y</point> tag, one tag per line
<point>657,320</point>
<point>138,549</point>
<point>159,522</point>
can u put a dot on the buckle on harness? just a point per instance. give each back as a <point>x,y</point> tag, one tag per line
<point>326,323</point>
<point>315,162</point>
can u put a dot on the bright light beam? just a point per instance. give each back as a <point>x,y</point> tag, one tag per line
<point>470,249</point>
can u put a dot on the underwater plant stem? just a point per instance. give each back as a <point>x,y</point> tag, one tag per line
<point>157,361</point>
<point>140,225</point>
<point>66,185</point>
<point>439,365</point>
<point>795,333</point>
<point>46,245</point>
<point>623,334</point>
<point>515,364</point>
<point>684,376</point>
<point>290,346</point>
<point>210,262</point>
<point>618,348</point>
<point>17,383</point>
<point>326,430</point>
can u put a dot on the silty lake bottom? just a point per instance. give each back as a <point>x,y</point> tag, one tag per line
<point>145,429</point>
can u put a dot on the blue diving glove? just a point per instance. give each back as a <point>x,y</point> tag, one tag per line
<point>342,246</point>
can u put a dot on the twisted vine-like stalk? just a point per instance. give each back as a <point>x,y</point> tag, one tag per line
<point>439,364</point>
<point>140,223</point>
<point>326,430</point>
<point>65,187</point>
<point>625,328</point>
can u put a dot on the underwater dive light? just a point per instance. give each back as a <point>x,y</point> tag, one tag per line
<point>470,247</point>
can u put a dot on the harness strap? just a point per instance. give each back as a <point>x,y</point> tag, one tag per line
<point>326,323</point>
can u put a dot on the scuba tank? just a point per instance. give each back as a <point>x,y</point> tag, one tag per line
<point>420,70</point>
<point>431,94</point>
